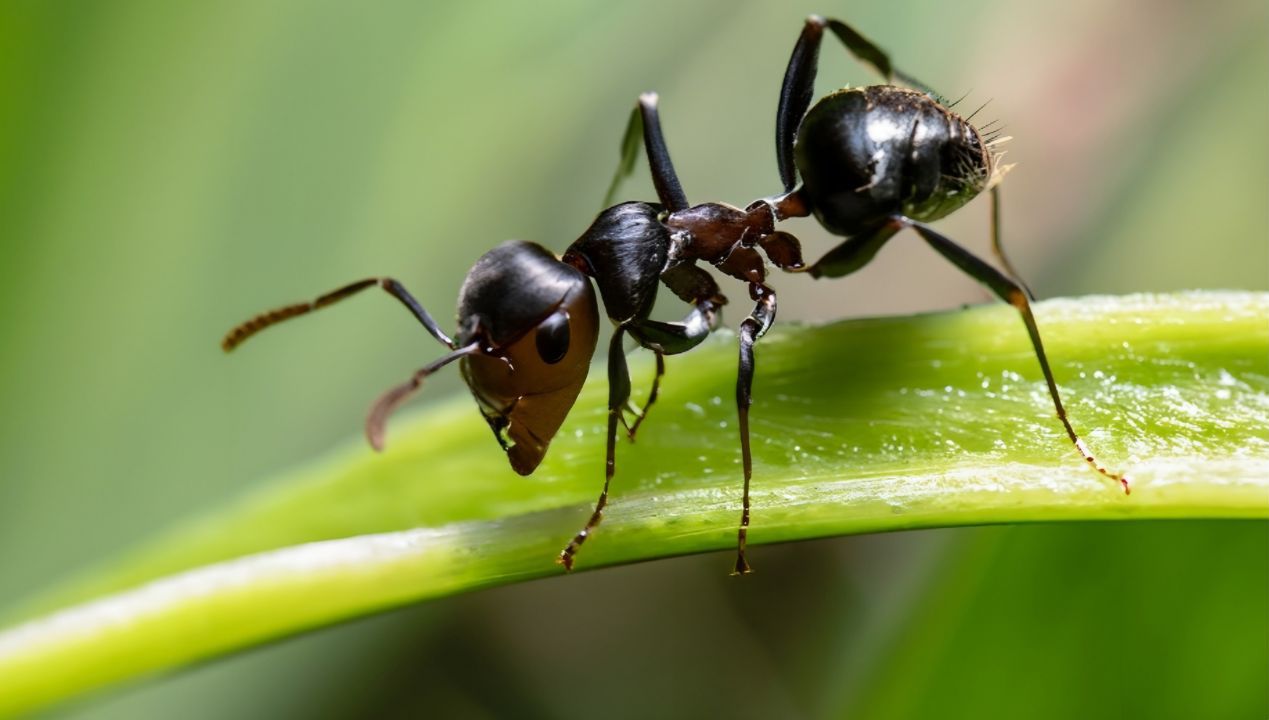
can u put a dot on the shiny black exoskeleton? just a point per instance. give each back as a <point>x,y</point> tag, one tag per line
<point>880,151</point>
<point>871,161</point>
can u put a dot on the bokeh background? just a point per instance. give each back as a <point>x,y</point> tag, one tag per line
<point>168,168</point>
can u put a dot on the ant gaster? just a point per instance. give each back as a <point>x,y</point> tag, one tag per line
<point>872,160</point>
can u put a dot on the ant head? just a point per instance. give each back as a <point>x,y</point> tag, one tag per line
<point>534,323</point>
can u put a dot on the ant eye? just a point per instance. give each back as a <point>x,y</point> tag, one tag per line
<point>552,338</point>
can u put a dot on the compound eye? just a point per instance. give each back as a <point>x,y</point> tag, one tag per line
<point>552,338</point>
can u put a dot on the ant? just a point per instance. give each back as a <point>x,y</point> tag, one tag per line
<point>873,161</point>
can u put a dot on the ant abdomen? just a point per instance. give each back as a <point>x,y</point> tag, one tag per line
<point>867,154</point>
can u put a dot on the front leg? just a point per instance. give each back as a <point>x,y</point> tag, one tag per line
<point>693,285</point>
<point>618,394</point>
<point>640,413</point>
<point>672,338</point>
<point>754,327</point>
<point>665,338</point>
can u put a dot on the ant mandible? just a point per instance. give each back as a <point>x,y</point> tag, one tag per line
<point>873,161</point>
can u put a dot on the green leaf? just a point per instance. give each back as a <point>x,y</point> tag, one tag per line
<point>861,426</point>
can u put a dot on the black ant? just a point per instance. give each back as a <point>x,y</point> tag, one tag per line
<point>873,161</point>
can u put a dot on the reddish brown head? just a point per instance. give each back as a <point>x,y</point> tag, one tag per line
<point>527,327</point>
<point>535,323</point>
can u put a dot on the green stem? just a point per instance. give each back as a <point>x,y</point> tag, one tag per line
<point>863,426</point>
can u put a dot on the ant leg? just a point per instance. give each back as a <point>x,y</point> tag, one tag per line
<point>692,284</point>
<point>867,52</point>
<point>663,338</point>
<point>629,153</point>
<point>753,327</point>
<point>618,394</point>
<point>392,399</point>
<point>239,334</point>
<point>641,413</point>
<point>1013,293</point>
<point>666,338</point>
<point>783,250</point>
<point>672,338</point>
<point>998,247</point>
<point>798,88</point>
<point>852,254</point>
<point>645,125</point>
<point>796,93</point>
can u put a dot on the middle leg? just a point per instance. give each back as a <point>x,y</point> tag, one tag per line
<point>852,254</point>
<point>753,327</point>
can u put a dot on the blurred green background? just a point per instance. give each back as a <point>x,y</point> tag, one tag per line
<point>167,169</point>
